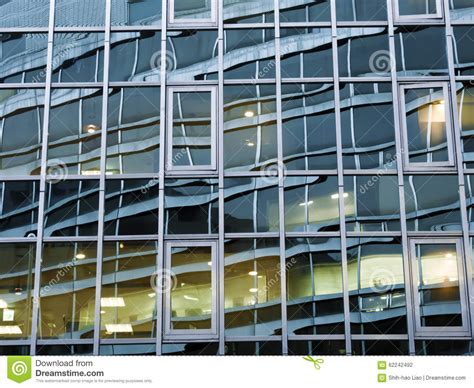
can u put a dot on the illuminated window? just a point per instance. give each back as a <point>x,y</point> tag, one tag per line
<point>191,298</point>
<point>426,124</point>
<point>439,285</point>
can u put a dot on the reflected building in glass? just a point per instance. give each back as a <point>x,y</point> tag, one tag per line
<point>236,177</point>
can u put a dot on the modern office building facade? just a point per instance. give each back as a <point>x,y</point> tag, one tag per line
<point>236,177</point>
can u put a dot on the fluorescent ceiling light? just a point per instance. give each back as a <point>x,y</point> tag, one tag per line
<point>190,298</point>
<point>80,256</point>
<point>253,273</point>
<point>10,330</point>
<point>119,328</point>
<point>306,203</point>
<point>112,302</point>
<point>151,294</point>
<point>253,290</point>
<point>249,114</point>
<point>8,315</point>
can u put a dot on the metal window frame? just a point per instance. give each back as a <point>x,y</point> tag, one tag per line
<point>433,331</point>
<point>205,22</point>
<point>180,170</point>
<point>408,166</point>
<point>198,334</point>
<point>417,18</point>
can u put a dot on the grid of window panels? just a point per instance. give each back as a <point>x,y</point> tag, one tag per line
<point>236,177</point>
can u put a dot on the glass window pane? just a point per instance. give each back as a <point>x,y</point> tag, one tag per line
<point>427,132</point>
<point>251,205</point>
<point>129,203</point>
<point>376,286</point>
<point>252,287</point>
<point>192,143</point>
<point>19,208</point>
<point>417,7</point>
<point>21,123</point>
<point>309,127</point>
<point>135,56</point>
<point>191,300</point>
<point>128,301</point>
<point>136,13</point>
<point>191,206</point>
<point>311,204</point>
<point>71,208</point>
<point>306,52</point>
<point>314,286</point>
<point>380,348</point>
<point>450,347</point>
<point>16,289</point>
<point>438,284</point>
<point>366,10</point>
<point>461,9</point>
<point>309,11</point>
<point>421,51</point>
<point>191,55</point>
<point>465,97</point>
<point>23,57</point>
<point>133,131</point>
<point>363,52</point>
<point>368,129</point>
<point>75,128</point>
<point>78,57</point>
<point>432,203</point>
<point>79,13</point>
<point>192,10</point>
<point>250,134</point>
<point>24,13</point>
<point>67,293</point>
<point>249,53</point>
<point>248,11</point>
<point>372,203</point>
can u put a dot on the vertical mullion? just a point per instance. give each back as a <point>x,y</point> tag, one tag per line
<point>220,169</point>
<point>103,164</point>
<point>457,146</point>
<point>41,199</point>
<point>281,181</point>
<point>161,186</point>
<point>400,161</point>
<point>340,179</point>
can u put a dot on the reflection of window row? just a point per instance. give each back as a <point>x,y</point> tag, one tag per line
<point>251,205</point>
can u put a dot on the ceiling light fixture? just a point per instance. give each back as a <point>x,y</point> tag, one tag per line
<point>249,114</point>
<point>112,302</point>
<point>119,328</point>
<point>336,196</point>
